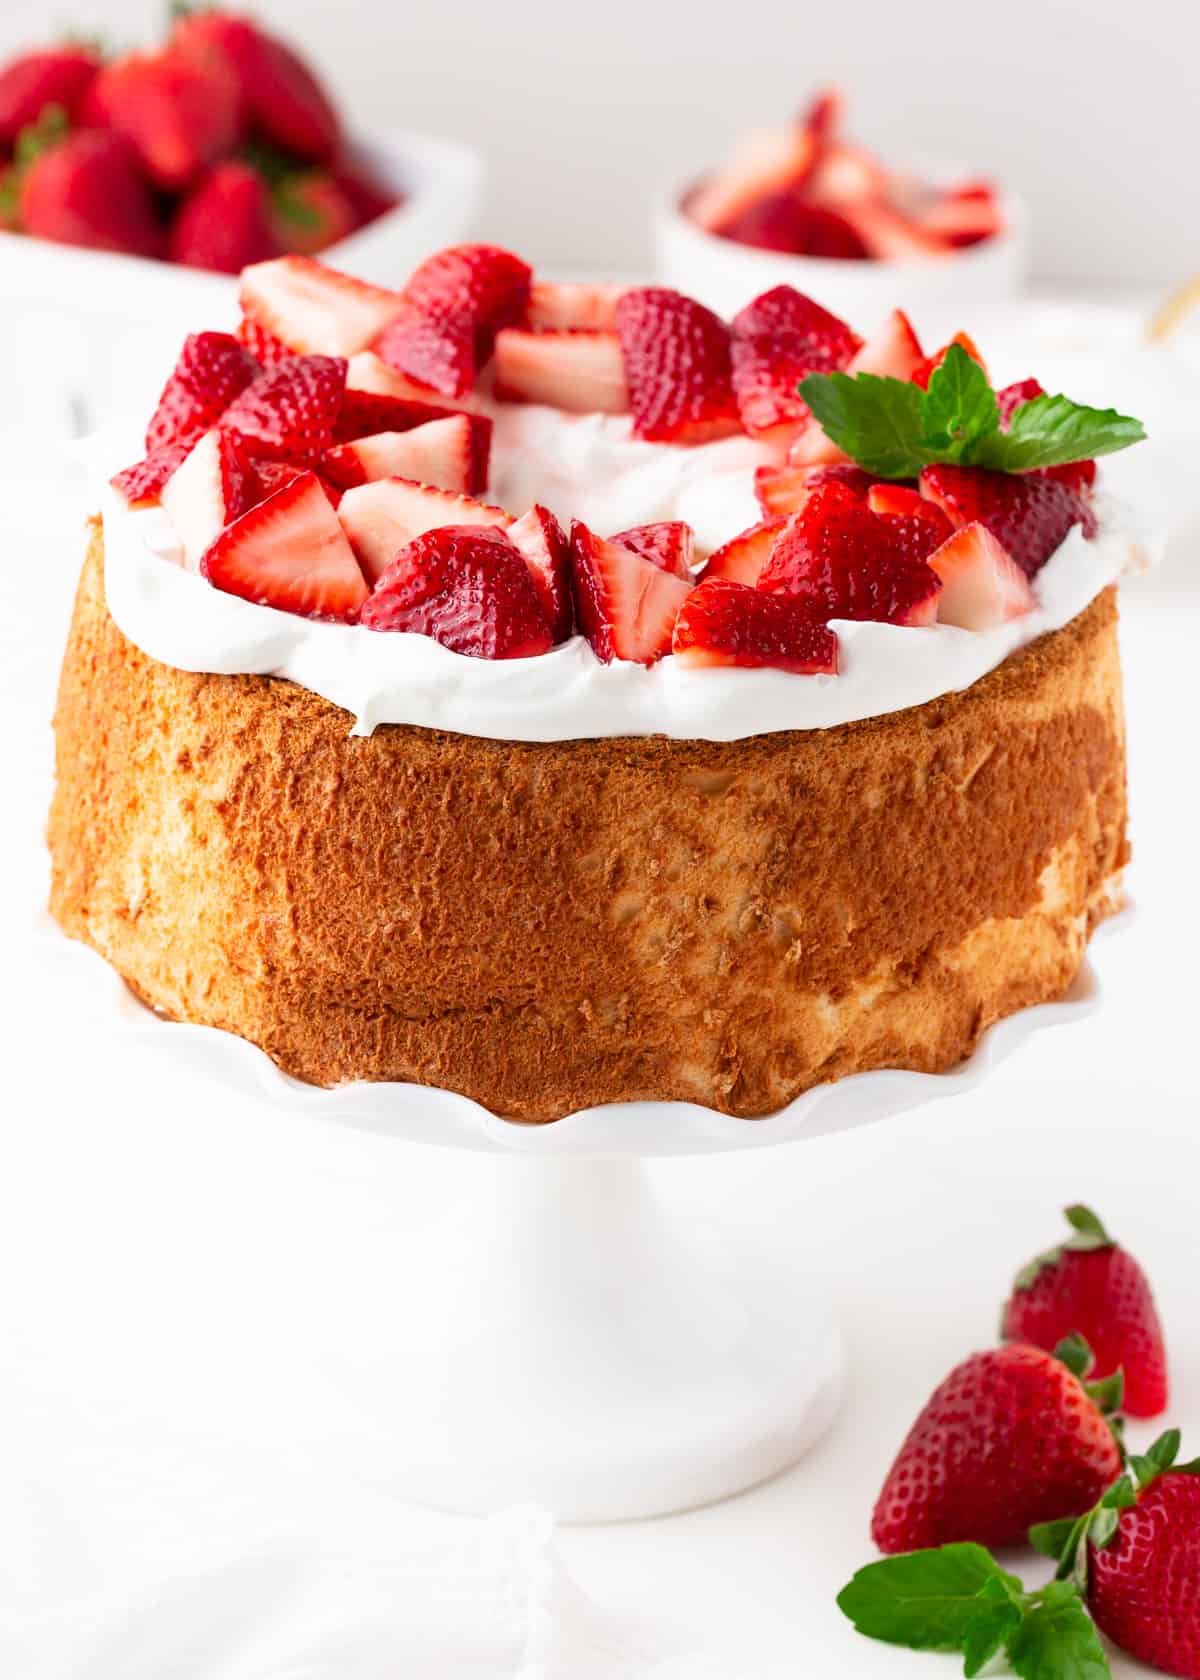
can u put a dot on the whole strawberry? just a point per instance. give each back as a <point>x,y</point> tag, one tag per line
<point>1092,1287</point>
<point>1010,1439</point>
<point>87,190</point>
<point>56,76</point>
<point>180,113</point>
<point>225,223</point>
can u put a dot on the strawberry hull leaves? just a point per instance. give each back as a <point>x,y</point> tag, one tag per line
<point>893,428</point>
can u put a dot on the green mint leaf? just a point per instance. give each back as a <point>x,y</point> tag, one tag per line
<point>879,422</point>
<point>991,1628</point>
<point>925,1600</point>
<point>1051,1538</point>
<point>1052,431</point>
<point>1057,1640</point>
<point>959,407</point>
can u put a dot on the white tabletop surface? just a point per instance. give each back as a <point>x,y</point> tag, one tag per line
<point>161,1242</point>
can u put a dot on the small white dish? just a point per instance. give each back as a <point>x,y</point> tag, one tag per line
<point>941,294</point>
<point>87,332</point>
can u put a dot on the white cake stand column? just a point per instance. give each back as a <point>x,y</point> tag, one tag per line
<point>561,1338</point>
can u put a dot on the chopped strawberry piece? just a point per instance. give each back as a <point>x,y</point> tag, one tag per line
<point>846,562</point>
<point>782,490</point>
<point>141,484</point>
<point>982,585</point>
<point>313,309</point>
<point>365,413</point>
<point>181,114</point>
<point>624,605</point>
<point>281,99</point>
<point>225,223</point>
<point>964,341</point>
<point>212,370</point>
<point>581,372</point>
<point>288,413</point>
<point>961,220</point>
<point>381,517</point>
<point>891,236</point>
<point>784,221</point>
<point>776,341</point>
<point>847,175</point>
<point>893,352</point>
<point>468,589</point>
<point>56,76</point>
<point>455,303</point>
<point>543,542</point>
<point>677,364</point>
<point>812,448</point>
<point>742,558</point>
<point>1028,513</point>
<point>727,623</point>
<point>262,345</point>
<point>289,552</point>
<point>668,544</point>
<point>917,525</point>
<point>887,497</point>
<point>443,453</point>
<point>557,305</point>
<point>765,162</point>
<point>207,491</point>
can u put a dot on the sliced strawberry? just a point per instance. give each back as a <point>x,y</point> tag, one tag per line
<point>847,175</point>
<point>891,236</point>
<point>557,305</point>
<point>443,453</point>
<point>678,367</point>
<point>141,484</point>
<point>262,345</point>
<point>55,76</point>
<point>727,623</point>
<point>783,490</point>
<point>289,552</point>
<point>916,530</point>
<point>313,309</point>
<point>455,303</point>
<point>742,558</point>
<point>225,222</point>
<point>982,585</point>
<point>288,413</point>
<point>961,220</point>
<point>785,221</point>
<point>776,340</point>
<point>812,448</point>
<point>369,373</point>
<point>668,544</point>
<point>380,518</point>
<point>543,542</point>
<point>212,370</point>
<point>468,589</point>
<point>765,162</point>
<point>624,605</point>
<point>893,352</point>
<point>964,341</point>
<point>581,372</point>
<point>282,101</point>
<point>207,491</point>
<point>845,562</point>
<point>180,113</point>
<point>1029,514</point>
<point>362,413</point>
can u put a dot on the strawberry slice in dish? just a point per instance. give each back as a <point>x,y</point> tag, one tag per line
<point>313,310</point>
<point>846,562</point>
<point>209,489</point>
<point>581,372</point>
<point>728,623</point>
<point>677,364</point>
<point>446,453</point>
<point>213,368</point>
<point>982,585</point>
<point>467,588</point>
<point>382,517</point>
<point>624,604</point>
<point>667,543</point>
<point>289,412</point>
<point>776,340</point>
<point>289,552</point>
<point>743,557</point>
<point>542,541</point>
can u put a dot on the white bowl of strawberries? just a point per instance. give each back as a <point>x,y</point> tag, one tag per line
<point>803,207</point>
<point>132,189</point>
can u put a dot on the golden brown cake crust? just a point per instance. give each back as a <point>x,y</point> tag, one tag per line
<point>549,926</point>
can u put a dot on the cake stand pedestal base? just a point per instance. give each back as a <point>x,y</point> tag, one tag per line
<point>572,1345</point>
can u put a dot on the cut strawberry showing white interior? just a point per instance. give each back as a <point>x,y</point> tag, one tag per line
<point>765,161</point>
<point>557,305</point>
<point>450,453</point>
<point>893,351</point>
<point>668,544</point>
<point>289,552</point>
<point>581,372</point>
<point>982,585</point>
<point>380,518</point>
<point>368,372</point>
<point>742,558</point>
<point>466,587</point>
<point>624,604</point>
<point>207,491</point>
<point>314,309</point>
<point>543,543</point>
<point>728,623</point>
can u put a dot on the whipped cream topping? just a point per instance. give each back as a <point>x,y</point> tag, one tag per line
<point>590,468</point>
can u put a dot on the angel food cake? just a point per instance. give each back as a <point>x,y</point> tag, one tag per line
<point>558,695</point>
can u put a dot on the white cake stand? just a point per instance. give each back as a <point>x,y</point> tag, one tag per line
<point>558,1336</point>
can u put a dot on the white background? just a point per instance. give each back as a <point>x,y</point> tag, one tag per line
<point>585,110</point>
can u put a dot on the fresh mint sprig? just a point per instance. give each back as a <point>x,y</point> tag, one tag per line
<point>893,428</point>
